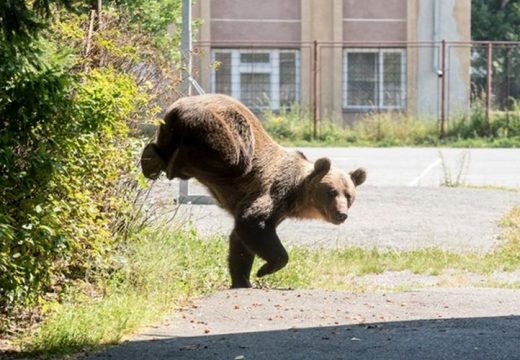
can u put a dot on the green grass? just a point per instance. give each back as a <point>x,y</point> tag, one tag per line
<point>160,271</point>
<point>329,269</point>
<point>295,128</point>
<point>156,274</point>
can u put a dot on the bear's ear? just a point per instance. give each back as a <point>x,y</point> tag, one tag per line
<point>358,176</point>
<point>322,166</point>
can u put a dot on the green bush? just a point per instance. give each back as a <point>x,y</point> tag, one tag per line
<point>65,156</point>
<point>292,125</point>
<point>385,129</point>
<point>296,125</point>
<point>388,129</point>
<point>68,120</point>
<point>503,127</point>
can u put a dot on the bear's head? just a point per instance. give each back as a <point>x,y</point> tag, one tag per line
<point>331,192</point>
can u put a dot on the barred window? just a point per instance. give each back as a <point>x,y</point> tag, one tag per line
<point>374,79</point>
<point>263,79</point>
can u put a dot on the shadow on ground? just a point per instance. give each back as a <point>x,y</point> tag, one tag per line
<point>459,338</point>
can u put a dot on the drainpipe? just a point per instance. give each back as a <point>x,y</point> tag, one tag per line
<point>435,36</point>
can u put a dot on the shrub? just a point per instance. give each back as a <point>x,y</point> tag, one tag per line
<point>67,170</point>
<point>502,124</point>
<point>389,129</point>
<point>385,129</point>
<point>289,125</point>
<point>67,121</point>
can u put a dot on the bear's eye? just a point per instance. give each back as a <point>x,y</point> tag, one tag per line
<point>333,192</point>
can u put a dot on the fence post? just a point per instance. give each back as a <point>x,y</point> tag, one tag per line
<point>315,90</point>
<point>489,75</point>
<point>443,90</point>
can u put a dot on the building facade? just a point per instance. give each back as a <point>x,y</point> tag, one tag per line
<point>347,57</point>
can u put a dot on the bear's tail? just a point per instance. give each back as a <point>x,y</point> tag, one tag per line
<point>151,162</point>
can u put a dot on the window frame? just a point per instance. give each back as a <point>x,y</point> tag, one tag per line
<point>237,67</point>
<point>379,91</point>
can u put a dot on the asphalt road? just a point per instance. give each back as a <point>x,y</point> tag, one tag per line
<point>458,324</point>
<point>428,166</point>
<point>400,218</point>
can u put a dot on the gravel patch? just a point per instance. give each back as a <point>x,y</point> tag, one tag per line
<point>449,278</point>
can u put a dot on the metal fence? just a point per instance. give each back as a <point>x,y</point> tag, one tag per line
<point>347,81</point>
<point>495,74</point>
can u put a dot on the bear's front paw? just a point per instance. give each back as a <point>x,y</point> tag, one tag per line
<point>243,284</point>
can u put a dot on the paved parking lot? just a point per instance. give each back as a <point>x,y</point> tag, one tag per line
<point>402,205</point>
<point>425,167</point>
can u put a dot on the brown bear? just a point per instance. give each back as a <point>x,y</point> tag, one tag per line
<point>220,142</point>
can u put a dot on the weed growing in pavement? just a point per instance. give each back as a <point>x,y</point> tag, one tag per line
<point>461,170</point>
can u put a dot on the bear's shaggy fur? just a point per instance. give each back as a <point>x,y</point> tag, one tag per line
<point>221,143</point>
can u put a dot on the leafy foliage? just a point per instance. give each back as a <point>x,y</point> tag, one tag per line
<point>21,20</point>
<point>67,116</point>
<point>64,151</point>
<point>389,129</point>
<point>155,17</point>
<point>495,20</point>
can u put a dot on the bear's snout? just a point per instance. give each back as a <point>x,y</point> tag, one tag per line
<point>340,217</point>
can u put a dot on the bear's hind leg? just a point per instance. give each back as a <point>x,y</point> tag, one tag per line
<point>240,262</point>
<point>151,162</point>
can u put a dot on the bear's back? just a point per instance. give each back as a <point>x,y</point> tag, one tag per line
<point>228,131</point>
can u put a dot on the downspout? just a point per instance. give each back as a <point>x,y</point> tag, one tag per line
<point>435,37</point>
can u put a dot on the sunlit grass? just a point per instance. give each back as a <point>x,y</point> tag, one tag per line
<point>295,128</point>
<point>157,273</point>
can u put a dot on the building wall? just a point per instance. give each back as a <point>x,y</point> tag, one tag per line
<point>232,22</point>
<point>255,21</point>
<point>367,20</point>
<point>436,20</point>
<point>336,21</point>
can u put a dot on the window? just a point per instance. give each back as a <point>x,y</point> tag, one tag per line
<point>374,79</point>
<point>262,78</point>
